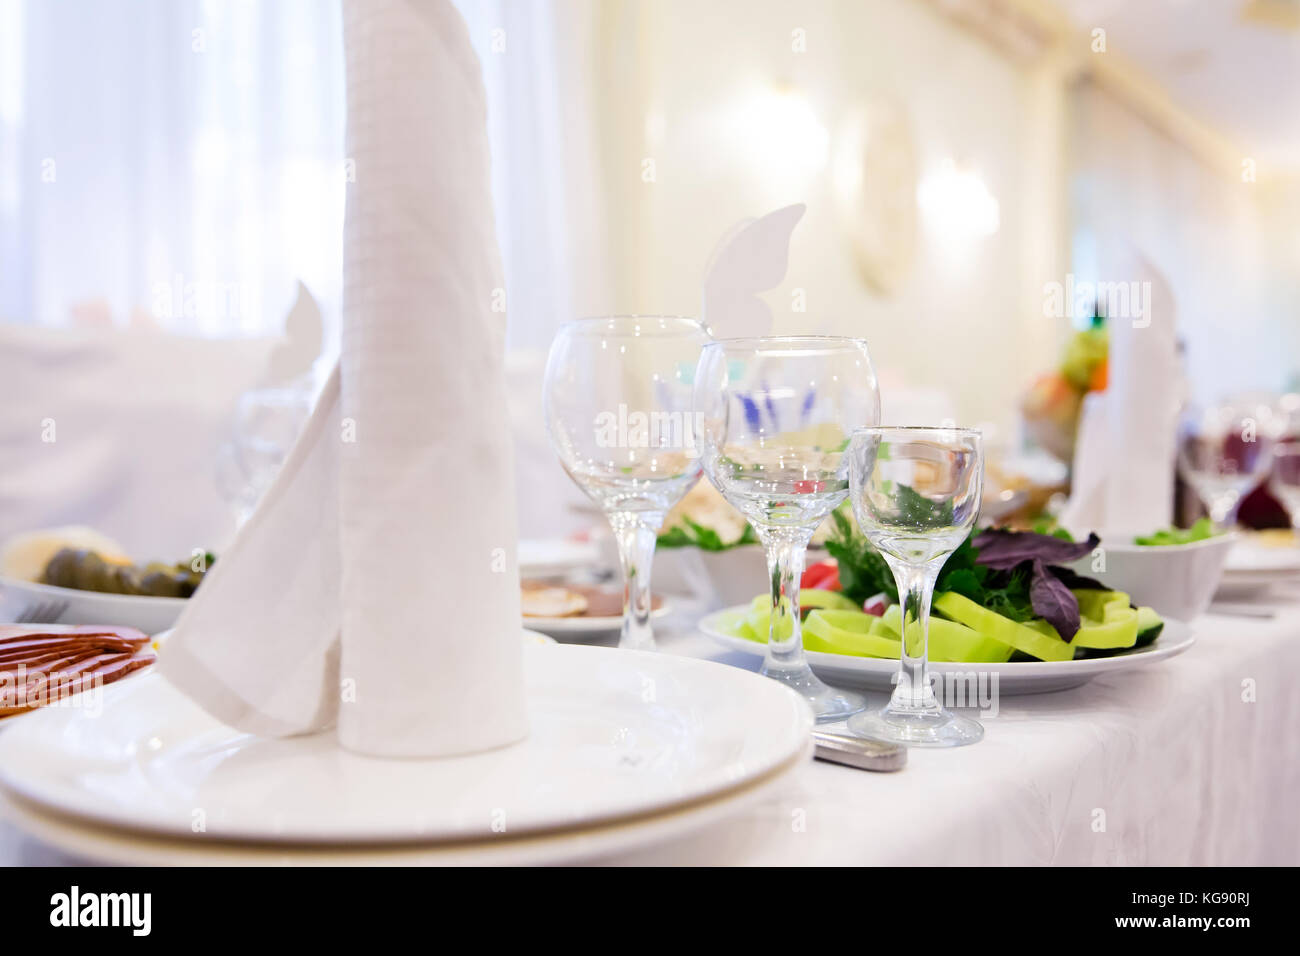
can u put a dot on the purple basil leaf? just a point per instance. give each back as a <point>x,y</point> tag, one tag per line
<point>1005,549</point>
<point>1076,582</point>
<point>1053,602</point>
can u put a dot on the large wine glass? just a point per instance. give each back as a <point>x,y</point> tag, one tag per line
<point>617,402</point>
<point>775,416</point>
<point>916,495</point>
<point>1223,452</point>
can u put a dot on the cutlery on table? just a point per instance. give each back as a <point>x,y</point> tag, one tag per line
<point>875,755</point>
<point>42,612</point>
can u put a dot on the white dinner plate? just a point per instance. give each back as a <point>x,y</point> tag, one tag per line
<point>582,628</point>
<point>545,557</point>
<point>615,735</point>
<point>148,614</point>
<point>1018,677</point>
<point>85,841</point>
<point>1252,568</point>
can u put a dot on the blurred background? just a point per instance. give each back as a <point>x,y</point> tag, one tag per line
<point>173,176</point>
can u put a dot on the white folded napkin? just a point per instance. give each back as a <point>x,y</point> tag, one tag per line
<point>376,584</point>
<point>1123,477</point>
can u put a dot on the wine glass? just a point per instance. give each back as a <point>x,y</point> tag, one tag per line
<point>1223,452</point>
<point>1284,482</point>
<point>266,425</point>
<point>916,494</point>
<point>617,402</point>
<point>775,416</point>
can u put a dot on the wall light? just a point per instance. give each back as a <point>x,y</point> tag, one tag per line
<point>780,136</point>
<point>957,204</point>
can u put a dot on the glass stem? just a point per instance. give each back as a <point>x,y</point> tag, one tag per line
<point>914,693</point>
<point>785,556</point>
<point>1223,510</point>
<point>636,534</point>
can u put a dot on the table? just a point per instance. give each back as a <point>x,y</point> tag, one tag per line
<point>1193,761</point>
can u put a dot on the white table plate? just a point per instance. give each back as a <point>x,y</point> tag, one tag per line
<point>584,628</point>
<point>1019,677</point>
<point>615,735</point>
<point>148,614</point>
<point>544,557</point>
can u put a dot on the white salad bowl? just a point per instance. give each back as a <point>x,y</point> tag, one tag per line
<point>1178,580</point>
<point>737,574</point>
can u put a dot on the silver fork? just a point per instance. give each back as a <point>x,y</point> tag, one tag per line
<point>42,612</point>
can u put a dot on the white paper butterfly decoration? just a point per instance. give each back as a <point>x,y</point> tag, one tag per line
<point>293,357</point>
<point>751,258</point>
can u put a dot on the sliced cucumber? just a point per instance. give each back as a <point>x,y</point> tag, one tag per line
<point>1150,625</point>
<point>950,641</point>
<point>849,632</point>
<point>1107,621</point>
<point>810,598</point>
<point>820,597</point>
<point>1045,644</point>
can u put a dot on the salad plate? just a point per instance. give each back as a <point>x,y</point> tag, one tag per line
<point>1013,677</point>
<point>615,736</point>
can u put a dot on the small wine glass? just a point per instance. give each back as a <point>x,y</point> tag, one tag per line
<point>1223,452</point>
<point>775,416</point>
<point>1284,481</point>
<point>916,494</point>
<point>617,402</point>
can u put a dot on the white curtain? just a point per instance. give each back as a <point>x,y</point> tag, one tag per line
<point>537,67</point>
<point>1137,189</point>
<point>175,161</point>
<point>180,162</point>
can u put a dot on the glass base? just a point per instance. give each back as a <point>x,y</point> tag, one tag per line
<point>643,641</point>
<point>941,728</point>
<point>827,703</point>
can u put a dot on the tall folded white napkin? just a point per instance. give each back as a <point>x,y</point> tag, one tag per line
<point>376,583</point>
<point>1123,478</point>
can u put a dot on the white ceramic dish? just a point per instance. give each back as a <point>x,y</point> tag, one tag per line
<point>584,628</point>
<point>1021,677</point>
<point>544,558</point>
<point>1178,580</point>
<point>737,574</point>
<point>600,752</point>
<point>529,637</point>
<point>148,614</point>
<point>1249,556</point>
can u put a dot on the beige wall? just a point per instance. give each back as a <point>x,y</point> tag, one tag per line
<point>685,84</point>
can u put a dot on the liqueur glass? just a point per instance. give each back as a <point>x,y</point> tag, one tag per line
<point>617,403</point>
<point>775,415</point>
<point>916,494</point>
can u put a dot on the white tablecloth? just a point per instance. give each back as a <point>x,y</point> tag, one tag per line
<point>1195,760</point>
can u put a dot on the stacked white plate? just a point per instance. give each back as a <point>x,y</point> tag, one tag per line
<point>626,748</point>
